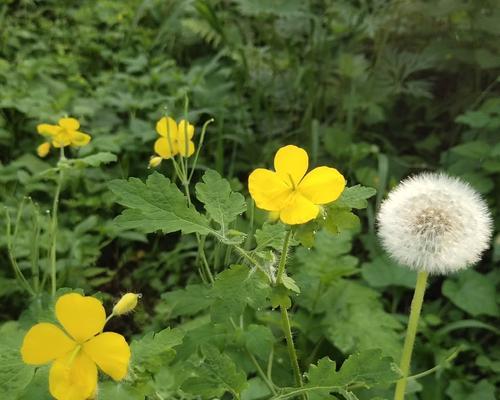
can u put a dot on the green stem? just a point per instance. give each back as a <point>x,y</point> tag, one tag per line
<point>285,320</point>
<point>285,323</point>
<point>261,373</point>
<point>416,307</point>
<point>10,250</point>
<point>284,251</point>
<point>53,232</point>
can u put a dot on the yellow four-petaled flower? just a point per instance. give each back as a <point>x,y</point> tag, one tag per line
<point>64,134</point>
<point>175,139</point>
<point>78,350</point>
<point>291,192</point>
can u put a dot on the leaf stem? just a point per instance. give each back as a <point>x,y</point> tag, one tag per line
<point>416,307</point>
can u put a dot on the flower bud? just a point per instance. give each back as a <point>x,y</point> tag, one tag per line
<point>154,161</point>
<point>126,304</point>
<point>43,149</point>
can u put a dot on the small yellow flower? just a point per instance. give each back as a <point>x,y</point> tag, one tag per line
<point>126,304</point>
<point>64,134</point>
<point>43,149</point>
<point>77,351</point>
<point>290,191</point>
<point>175,138</point>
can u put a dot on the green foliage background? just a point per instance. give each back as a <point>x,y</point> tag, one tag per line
<point>379,89</point>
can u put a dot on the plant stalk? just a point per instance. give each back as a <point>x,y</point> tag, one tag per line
<point>285,320</point>
<point>411,332</point>
<point>53,231</point>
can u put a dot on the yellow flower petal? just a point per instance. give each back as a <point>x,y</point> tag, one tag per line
<point>291,162</point>
<point>48,130</point>
<point>45,342</point>
<point>79,138</point>
<point>163,149</point>
<point>185,129</point>
<point>268,190</point>
<point>71,124</point>
<point>73,377</point>
<point>43,149</point>
<point>299,210</point>
<point>322,185</point>
<point>110,352</point>
<point>61,139</point>
<point>81,316</point>
<point>167,126</point>
<point>182,148</point>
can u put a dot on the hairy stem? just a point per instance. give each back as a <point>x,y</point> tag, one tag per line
<point>411,332</point>
<point>285,320</point>
<point>53,230</point>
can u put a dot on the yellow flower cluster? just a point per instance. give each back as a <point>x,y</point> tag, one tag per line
<point>78,349</point>
<point>291,193</point>
<point>175,138</point>
<point>65,133</point>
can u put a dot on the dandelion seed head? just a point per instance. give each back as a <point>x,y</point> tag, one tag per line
<point>436,223</point>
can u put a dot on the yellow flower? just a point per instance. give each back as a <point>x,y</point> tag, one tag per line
<point>64,134</point>
<point>175,138</point>
<point>78,350</point>
<point>290,191</point>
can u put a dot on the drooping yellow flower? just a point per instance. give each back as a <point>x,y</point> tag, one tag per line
<point>64,134</point>
<point>290,191</point>
<point>78,350</point>
<point>175,138</point>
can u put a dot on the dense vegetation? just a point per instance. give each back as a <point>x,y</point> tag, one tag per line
<point>378,89</point>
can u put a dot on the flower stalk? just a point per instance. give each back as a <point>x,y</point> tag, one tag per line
<point>415,309</point>
<point>53,228</point>
<point>285,320</point>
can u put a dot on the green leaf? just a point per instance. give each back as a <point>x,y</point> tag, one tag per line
<point>153,350</point>
<point>355,197</point>
<point>95,160</point>
<point>188,301</point>
<point>463,390</point>
<point>216,375</point>
<point>366,369</point>
<point>222,204</point>
<point>272,235</point>
<point>352,310</point>
<point>156,205</point>
<point>118,390</point>
<point>236,288</point>
<point>475,150</point>
<point>259,340</point>
<point>473,293</point>
<point>15,375</point>
<point>383,272</point>
<point>289,283</point>
<point>341,219</point>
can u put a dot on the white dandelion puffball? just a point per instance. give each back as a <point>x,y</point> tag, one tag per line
<point>436,223</point>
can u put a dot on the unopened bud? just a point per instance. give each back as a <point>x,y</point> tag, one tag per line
<point>126,304</point>
<point>154,161</point>
<point>43,149</point>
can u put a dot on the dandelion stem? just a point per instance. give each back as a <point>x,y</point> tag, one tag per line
<point>285,320</point>
<point>411,332</point>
